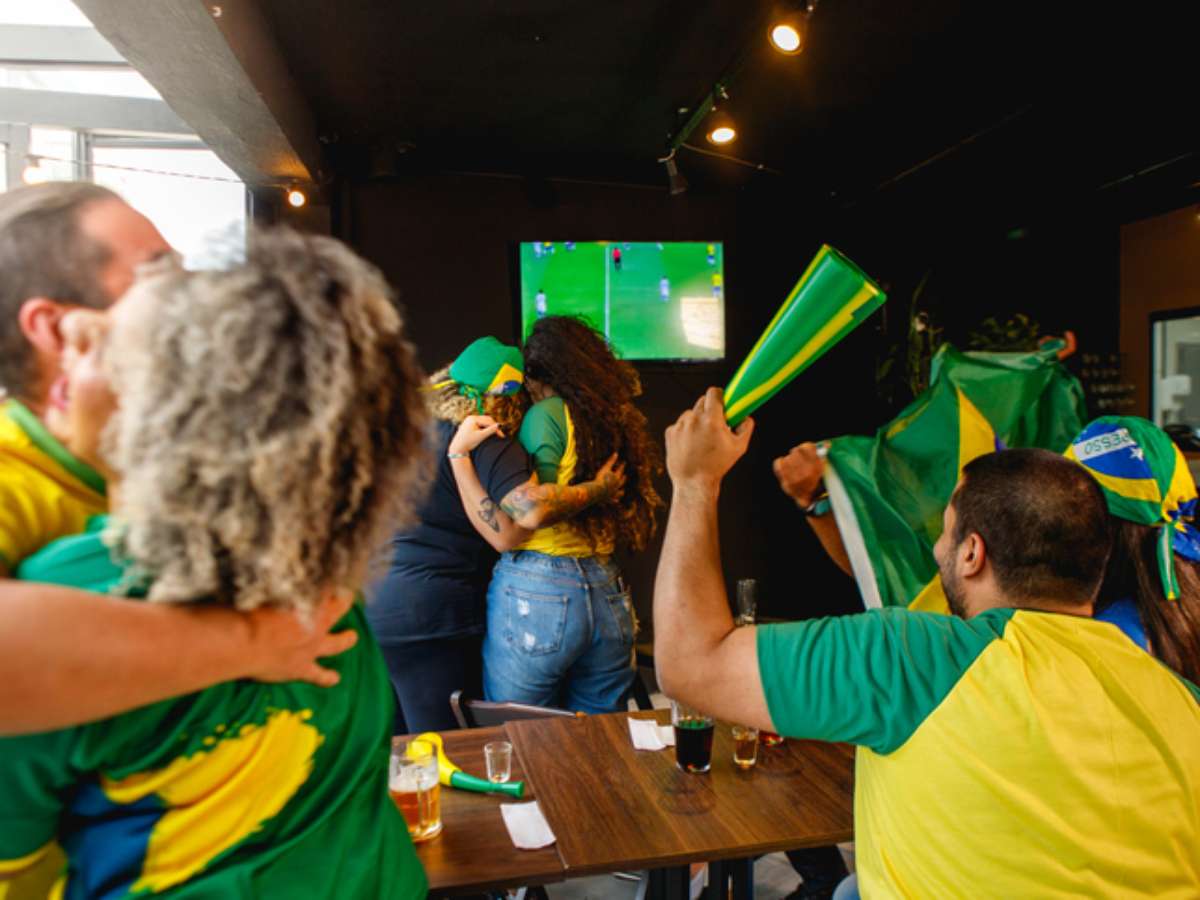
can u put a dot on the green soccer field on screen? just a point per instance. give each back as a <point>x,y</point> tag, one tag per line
<point>652,300</point>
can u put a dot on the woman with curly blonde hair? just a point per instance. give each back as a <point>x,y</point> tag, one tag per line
<point>428,613</point>
<point>262,432</point>
<point>560,620</point>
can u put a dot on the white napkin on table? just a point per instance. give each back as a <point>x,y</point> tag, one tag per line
<point>649,735</point>
<point>526,825</point>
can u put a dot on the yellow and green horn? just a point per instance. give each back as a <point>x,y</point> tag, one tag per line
<point>451,775</point>
<point>831,299</point>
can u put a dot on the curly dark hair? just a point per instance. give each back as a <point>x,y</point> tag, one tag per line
<point>574,359</point>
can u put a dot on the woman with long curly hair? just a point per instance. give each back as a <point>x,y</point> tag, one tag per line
<point>560,619</point>
<point>261,432</point>
<point>428,612</point>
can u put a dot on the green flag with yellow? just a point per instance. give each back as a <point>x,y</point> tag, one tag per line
<point>889,491</point>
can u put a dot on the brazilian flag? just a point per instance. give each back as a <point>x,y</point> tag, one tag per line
<point>889,491</point>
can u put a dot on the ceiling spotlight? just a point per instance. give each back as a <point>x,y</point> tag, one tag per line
<point>789,24</point>
<point>296,197</point>
<point>721,130</point>
<point>786,36</point>
<point>34,173</point>
<point>676,183</point>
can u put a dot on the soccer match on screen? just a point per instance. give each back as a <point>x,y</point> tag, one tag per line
<point>662,300</point>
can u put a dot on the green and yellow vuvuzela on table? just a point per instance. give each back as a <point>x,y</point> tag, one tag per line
<point>831,299</point>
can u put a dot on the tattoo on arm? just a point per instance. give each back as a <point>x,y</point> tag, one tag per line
<point>558,502</point>
<point>487,512</point>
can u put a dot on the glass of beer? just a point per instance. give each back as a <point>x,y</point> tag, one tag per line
<point>745,746</point>
<point>693,738</point>
<point>413,784</point>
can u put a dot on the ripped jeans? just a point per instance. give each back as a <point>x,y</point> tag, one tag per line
<point>560,633</point>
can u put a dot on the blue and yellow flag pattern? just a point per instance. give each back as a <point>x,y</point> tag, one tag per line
<point>1146,480</point>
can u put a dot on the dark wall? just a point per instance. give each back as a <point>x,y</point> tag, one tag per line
<point>446,243</point>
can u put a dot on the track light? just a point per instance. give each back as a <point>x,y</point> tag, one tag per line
<point>296,197</point>
<point>721,130</point>
<point>788,26</point>
<point>786,37</point>
<point>676,183</point>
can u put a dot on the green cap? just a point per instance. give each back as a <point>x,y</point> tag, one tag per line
<point>488,366</point>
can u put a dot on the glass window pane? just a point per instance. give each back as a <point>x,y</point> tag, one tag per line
<point>113,82</point>
<point>1176,355</point>
<point>204,219</point>
<point>54,149</point>
<point>43,12</point>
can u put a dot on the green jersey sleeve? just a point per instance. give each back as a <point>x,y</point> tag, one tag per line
<point>867,679</point>
<point>544,437</point>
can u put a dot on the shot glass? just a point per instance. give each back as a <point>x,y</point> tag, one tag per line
<point>745,746</point>
<point>498,757</point>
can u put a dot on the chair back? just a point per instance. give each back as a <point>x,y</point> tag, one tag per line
<point>482,713</point>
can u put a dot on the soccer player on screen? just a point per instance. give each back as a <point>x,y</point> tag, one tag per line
<point>664,289</point>
<point>616,258</point>
<point>539,302</point>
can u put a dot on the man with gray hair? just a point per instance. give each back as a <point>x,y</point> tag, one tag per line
<point>65,245</point>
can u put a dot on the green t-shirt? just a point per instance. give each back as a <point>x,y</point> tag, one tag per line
<point>241,790</point>
<point>1015,754</point>
<point>544,435</point>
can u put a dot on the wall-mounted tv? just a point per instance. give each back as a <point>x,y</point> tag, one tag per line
<point>654,301</point>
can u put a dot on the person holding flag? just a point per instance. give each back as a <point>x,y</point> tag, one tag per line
<point>1058,759</point>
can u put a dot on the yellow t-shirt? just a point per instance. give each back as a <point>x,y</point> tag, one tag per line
<point>45,492</point>
<point>548,435</point>
<point>1014,754</point>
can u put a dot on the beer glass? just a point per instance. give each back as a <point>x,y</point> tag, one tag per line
<point>693,738</point>
<point>413,784</point>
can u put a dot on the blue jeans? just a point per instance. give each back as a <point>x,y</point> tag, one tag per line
<point>560,633</point>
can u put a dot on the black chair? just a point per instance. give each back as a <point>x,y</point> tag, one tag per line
<point>482,713</point>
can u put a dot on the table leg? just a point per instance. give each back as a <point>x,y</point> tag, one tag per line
<point>718,881</point>
<point>741,872</point>
<point>673,883</point>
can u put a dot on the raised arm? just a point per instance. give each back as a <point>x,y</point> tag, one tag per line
<point>800,473</point>
<point>55,673</point>
<point>701,658</point>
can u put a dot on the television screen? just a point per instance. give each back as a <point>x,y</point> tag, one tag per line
<point>661,300</point>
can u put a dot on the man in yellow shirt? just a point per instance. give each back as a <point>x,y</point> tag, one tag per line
<point>1018,748</point>
<point>64,245</point>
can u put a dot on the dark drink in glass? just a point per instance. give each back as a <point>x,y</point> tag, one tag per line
<point>693,744</point>
<point>693,738</point>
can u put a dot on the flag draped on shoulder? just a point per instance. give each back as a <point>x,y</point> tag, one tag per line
<point>889,491</point>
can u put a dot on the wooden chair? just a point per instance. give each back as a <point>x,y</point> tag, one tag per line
<point>482,713</point>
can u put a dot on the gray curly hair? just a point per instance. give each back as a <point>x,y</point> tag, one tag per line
<point>270,432</point>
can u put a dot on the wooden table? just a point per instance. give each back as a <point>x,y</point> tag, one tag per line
<point>474,852</point>
<point>614,808</point>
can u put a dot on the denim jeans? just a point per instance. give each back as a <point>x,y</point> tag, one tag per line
<point>560,633</point>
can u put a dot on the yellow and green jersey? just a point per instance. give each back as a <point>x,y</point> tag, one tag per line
<point>241,790</point>
<point>548,435</point>
<point>1015,754</point>
<point>45,492</point>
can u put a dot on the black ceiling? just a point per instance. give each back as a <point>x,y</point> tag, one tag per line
<point>886,93</point>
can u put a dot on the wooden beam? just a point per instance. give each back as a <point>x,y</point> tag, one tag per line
<point>219,67</point>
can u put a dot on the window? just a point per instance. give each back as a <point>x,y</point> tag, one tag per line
<point>1175,358</point>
